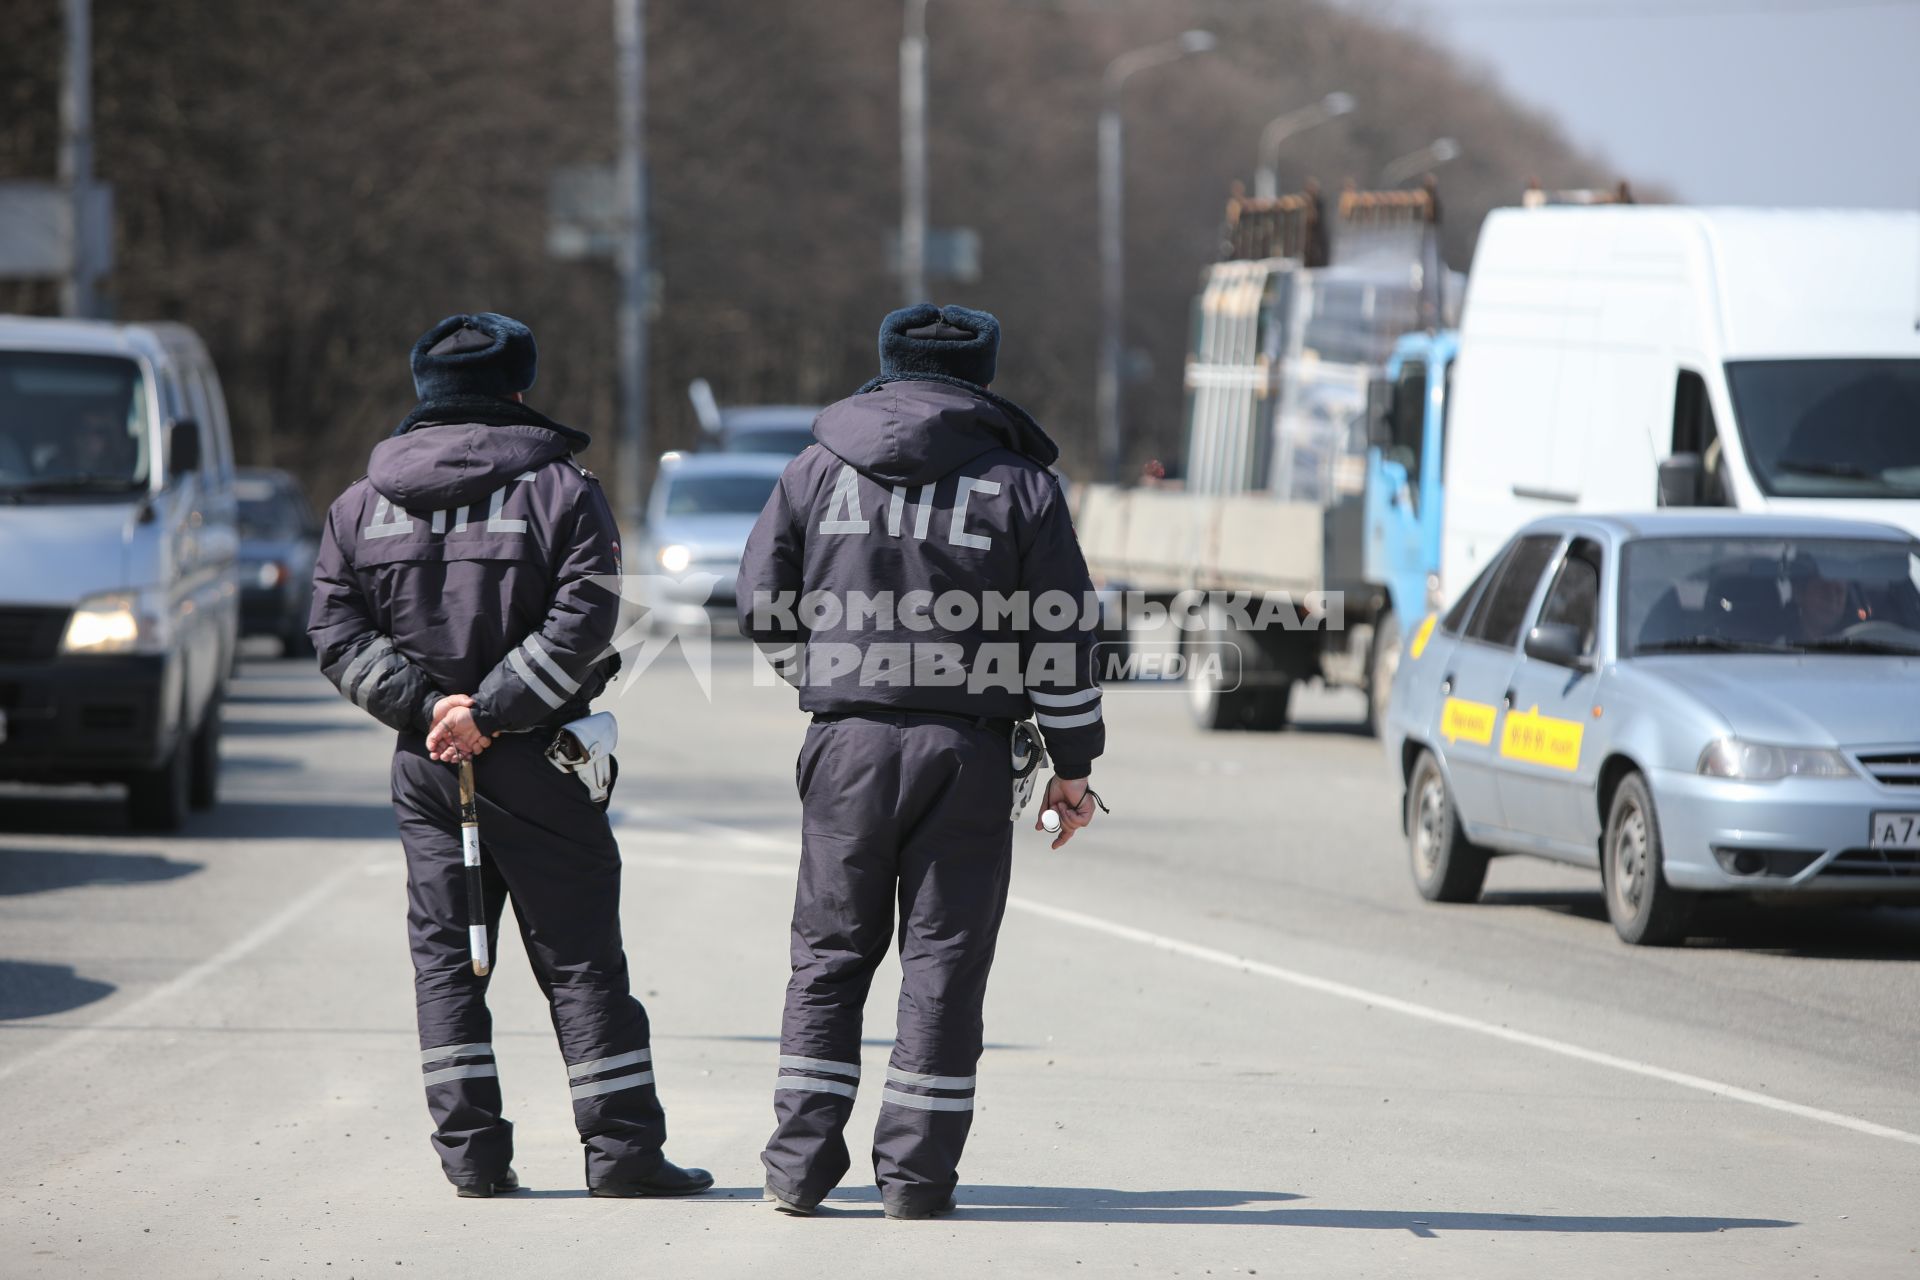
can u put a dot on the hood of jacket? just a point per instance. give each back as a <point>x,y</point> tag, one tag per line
<point>455,451</point>
<point>452,465</point>
<point>912,431</point>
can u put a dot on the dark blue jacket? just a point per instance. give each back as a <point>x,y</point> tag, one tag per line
<point>932,488</point>
<point>464,563</point>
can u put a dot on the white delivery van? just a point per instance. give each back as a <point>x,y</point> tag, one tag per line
<point>1623,357</point>
<point>118,601</point>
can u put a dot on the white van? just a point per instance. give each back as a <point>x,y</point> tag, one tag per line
<point>118,599</point>
<point>1619,358</point>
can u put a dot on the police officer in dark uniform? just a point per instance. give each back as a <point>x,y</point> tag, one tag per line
<point>916,575</point>
<point>454,602</point>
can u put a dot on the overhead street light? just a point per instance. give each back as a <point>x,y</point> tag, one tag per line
<point>1266,182</point>
<point>1112,199</point>
<point>1431,156</point>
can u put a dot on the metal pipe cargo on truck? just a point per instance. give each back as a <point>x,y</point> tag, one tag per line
<point>1316,388</point>
<point>1623,358</point>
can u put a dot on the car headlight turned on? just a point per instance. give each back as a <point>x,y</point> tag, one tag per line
<point>675,558</point>
<point>117,622</point>
<point>271,574</point>
<point>1764,762</point>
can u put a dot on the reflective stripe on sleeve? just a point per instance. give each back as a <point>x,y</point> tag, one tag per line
<point>538,651</point>
<point>612,1085</point>
<point>920,1102</point>
<point>1063,699</point>
<point>791,1062</point>
<point>812,1084</point>
<point>455,1051</point>
<point>1066,722</point>
<point>930,1082</point>
<point>577,1069</point>
<point>472,1071</point>
<point>356,672</point>
<point>532,680</point>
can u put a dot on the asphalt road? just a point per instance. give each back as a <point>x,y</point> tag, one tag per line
<point>1225,1037</point>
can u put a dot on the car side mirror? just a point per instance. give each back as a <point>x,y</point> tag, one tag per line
<point>1680,480</point>
<point>183,446</point>
<point>1558,643</point>
<point>1380,412</point>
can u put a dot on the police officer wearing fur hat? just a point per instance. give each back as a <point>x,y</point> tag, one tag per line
<point>869,582</point>
<point>454,601</point>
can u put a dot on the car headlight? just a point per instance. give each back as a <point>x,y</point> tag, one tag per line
<point>271,574</point>
<point>1764,762</point>
<point>675,558</point>
<point>117,622</point>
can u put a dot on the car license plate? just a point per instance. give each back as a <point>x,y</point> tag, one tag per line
<point>1895,831</point>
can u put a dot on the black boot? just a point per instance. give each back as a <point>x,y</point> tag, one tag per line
<point>911,1210</point>
<point>505,1184</point>
<point>668,1180</point>
<point>786,1202</point>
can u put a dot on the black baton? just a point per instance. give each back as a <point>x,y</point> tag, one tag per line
<point>470,854</point>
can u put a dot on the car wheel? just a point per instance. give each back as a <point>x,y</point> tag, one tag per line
<point>1382,666</point>
<point>158,799</point>
<point>1645,910</point>
<point>1447,867</point>
<point>204,790</point>
<point>296,643</point>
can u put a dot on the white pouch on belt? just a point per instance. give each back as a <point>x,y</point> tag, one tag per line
<point>1028,756</point>
<point>585,746</point>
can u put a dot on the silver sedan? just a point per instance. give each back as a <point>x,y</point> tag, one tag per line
<point>1689,702</point>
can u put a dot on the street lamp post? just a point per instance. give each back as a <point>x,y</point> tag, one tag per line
<point>1266,179</point>
<point>1112,265</point>
<point>913,154</point>
<point>634,256</point>
<point>1414,163</point>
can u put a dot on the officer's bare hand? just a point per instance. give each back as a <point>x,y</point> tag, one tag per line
<point>454,737</point>
<point>1068,798</point>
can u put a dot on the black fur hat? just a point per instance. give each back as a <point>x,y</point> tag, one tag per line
<point>481,354</point>
<point>948,342</point>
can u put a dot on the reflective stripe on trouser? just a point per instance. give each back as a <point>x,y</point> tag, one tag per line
<point>560,866</point>
<point>911,812</point>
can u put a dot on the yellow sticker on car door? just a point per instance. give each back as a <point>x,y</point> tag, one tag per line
<point>1420,637</point>
<point>1533,738</point>
<point>1464,721</point>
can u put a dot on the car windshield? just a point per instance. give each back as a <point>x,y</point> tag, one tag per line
<point>269,513</point>
<point>71,424</point>
<point>725,494</point>
<point>768,439</point>
<point>1769,595</point>
<point>1830,428</point>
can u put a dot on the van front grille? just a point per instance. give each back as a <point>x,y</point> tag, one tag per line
<point>1894,768</point>
<point>29,634</point>
<point>1896,864</point>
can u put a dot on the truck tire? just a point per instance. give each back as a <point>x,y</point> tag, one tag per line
<point>1383,663</point>
<point>1645,910</point>
<point>158,798</point>
<point>1447,867</point>
<point>204,788</point>
<point>1213,707</point>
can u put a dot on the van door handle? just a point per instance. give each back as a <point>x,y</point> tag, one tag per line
<point>1446,683</point>
<point>1506,699</point>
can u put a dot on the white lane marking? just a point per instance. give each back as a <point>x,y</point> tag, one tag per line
<point>736,836</point>
<point>1427,1013</point>
<point>1346,991</point>
<point>261,934</point>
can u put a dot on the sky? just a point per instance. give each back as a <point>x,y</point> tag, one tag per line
<point>1758,102</point>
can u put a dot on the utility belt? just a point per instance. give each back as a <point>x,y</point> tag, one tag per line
<point>895,715</point>
<point>1028,752</point>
